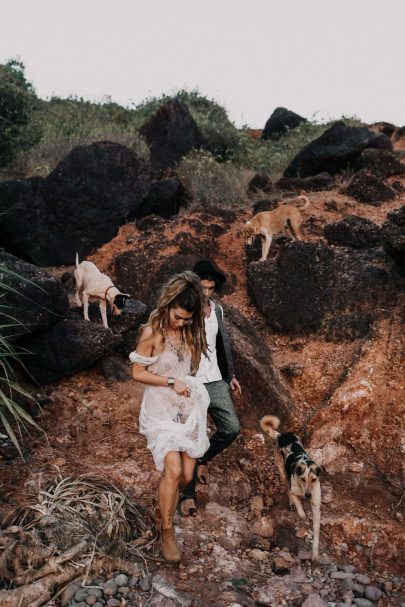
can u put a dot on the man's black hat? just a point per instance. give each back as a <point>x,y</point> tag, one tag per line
<point>207,267</point>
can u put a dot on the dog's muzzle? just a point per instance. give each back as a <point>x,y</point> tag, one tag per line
<point>307,495</point>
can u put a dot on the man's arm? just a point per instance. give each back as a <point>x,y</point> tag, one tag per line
<point>233,382</point>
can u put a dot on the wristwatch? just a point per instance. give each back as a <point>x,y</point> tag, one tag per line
<point>170,382</point>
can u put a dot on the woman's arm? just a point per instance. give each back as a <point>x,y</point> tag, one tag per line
<point>148,342</point>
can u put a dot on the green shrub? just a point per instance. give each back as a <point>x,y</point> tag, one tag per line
<point>213,183</point>
<point>17,103</point>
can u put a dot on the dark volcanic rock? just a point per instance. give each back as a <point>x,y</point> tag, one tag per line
<point>260,183</point>
<point>79,206</point>
<point>384,127</point>
<point>311,288</point>
<point>265,205</point>
<point>164,198</point>
<point>394,235</point>
<point>261,382</point>
<point>381,162</point>
<point>314,183</point>
<point>366,187</point>
<point>171,133</point>
<point>34,299</point>
<point>69,347</point>
<point>336,149</point>
<point>354,231</point>
<point>115,368</point>
<point>281,121</point>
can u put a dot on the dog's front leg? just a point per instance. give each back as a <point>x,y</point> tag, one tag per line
<point>295,500</point>
<point>103,311</point>
<point>85,306</point>
<point>316,520</point>
<point>266,244</point>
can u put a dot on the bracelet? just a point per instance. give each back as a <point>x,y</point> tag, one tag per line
<point>170,382</point>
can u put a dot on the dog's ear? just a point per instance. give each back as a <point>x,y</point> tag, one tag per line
<point>120,299</point>
<point>320,470</point>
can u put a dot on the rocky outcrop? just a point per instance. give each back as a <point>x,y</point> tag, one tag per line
<point>262,388</point>
<point>383,163</point>
<point>354,231</point>
<point>314,183</point>
<point>259,183</point>
<point>335,150</point>
<point>394,236</point>
<point>280,122</point>
<point>165,198</point>
<point>171,133</point>
<point>313,288</point>
<point>79,206</point>
<point>74,344</point>
<point>366,187</point>
<point>32,299</point>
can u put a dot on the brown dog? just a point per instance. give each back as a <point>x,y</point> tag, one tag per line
<point>300,473</point>
<point>268,223</point>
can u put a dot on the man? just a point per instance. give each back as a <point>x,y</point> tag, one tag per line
<point>217,373</point>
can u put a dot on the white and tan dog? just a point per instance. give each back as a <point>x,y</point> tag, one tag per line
<point>92,285</point>
<point>299,472</point>
<point>268,223</point>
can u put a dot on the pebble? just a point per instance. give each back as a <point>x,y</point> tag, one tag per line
<point>121,580</point>
<point>81,595</point>
<point>362,603</point>
<point>98,604</point>
<point>387,586</point>
<point>69,593</point>
<point>146,583</point>
<point>363,579</point>
<point>349,568</point>
<point>358,590</point>
<point>91,599</point>
<point>110,588</point>
<point>124,589</point>
<point>372,593</point>
<point>81,604</point>
<point>97,592</point>
<point>113,603</point>
<point>133,581</point>
<point>314,600</point>
<point>346,585</point>
<point>341,575</point>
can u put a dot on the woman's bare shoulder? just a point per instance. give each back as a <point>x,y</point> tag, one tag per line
<point>150,336</point>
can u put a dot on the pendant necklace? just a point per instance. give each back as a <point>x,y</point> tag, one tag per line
<point>178,351</point>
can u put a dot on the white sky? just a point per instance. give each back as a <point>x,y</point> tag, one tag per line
<point>329,57</point>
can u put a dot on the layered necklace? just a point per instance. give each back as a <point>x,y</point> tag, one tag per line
<point>180,350</point>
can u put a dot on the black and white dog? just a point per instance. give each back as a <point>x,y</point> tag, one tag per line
<point>300,473</point>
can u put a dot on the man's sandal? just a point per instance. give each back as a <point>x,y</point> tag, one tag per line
<point>187,510</point>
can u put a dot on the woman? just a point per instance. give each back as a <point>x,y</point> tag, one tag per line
<point>174,407</point>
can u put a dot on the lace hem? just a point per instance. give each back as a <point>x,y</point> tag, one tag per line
<point>145,361</point>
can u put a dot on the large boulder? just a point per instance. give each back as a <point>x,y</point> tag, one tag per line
<point>263,390</point>
<point>280,122</point>
<point>367,187</point>
<point>394,235</point>
<point>353,231</point>
<point>31,301</point>
<point>171,133</point>
<point>68,347</point>
<point>314,183</point>
<point>381,162</point>
<point>78,207</point>
<point>338,148</point>
<point>313,288</point>
<point>165,198</point>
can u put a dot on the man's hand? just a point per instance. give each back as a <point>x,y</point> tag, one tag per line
<point>235,385</point>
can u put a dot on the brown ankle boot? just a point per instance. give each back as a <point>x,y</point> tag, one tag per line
<point>169,547</point>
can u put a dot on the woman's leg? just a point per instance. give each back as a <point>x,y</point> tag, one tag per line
<point>187,469</point>
<point>168,495</point>
<point>169,487</point>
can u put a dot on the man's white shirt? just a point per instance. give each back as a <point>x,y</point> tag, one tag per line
<point>208,370</point>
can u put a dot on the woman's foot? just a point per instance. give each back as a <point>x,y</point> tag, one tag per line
<point>170,550</point>
<point>202,474</point>
<point>188,507</point>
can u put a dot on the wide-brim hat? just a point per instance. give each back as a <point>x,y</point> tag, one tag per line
<point>205,266</point>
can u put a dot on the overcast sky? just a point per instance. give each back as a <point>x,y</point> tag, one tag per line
<point>323,57</point>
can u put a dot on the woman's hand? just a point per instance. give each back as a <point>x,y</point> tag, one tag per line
<point>181,388</point>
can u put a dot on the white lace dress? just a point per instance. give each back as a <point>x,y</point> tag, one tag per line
<point>171,422</point>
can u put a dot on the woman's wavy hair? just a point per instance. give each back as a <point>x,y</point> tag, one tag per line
<point>183,291</point>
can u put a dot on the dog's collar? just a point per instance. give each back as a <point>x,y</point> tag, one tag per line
<point>106,291</point>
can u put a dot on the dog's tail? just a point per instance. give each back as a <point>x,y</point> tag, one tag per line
<point>77,259</point>
<point>269,424</point>
<point>303,201</point>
